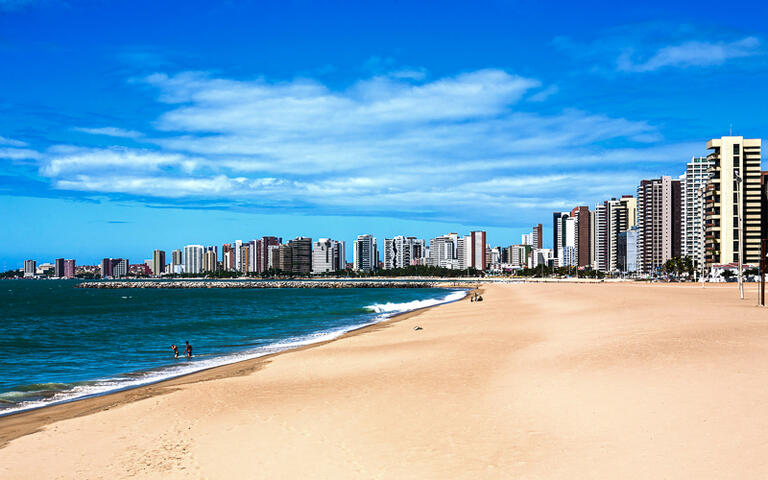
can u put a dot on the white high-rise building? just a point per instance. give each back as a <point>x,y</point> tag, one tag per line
<point>366,254</point>
<point>401,251</point>
<point>327,256</point>
<point>193,259</point>
<point>443,251</point>
<point>526,239</point>
<point>238,249</point>
<point>600,238</point>
<point>693,182</point>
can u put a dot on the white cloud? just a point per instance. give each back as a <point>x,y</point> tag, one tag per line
<point>110,132</point>
<point>691,54</point>
<point>66,160</point>
<point>11,142</point>
<point>460,148</point>
<point>19,154</point>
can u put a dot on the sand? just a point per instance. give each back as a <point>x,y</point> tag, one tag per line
<point>538,381</point>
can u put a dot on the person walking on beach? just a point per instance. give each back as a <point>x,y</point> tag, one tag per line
<point>188,350</point>
<point>175,351</point>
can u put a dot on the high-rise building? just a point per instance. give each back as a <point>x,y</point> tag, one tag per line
<point>58,268</point>
<point>444,250</point>
<point>193,259</point>
<point>237,249</point>
<point>564,238</point>
<point>659,218</point>
<point>627,250</point>
<point>538,236</point>
<point>328,256</point>
<point>526,239</point>
<point>693,183</point>
<point>210,260</point>
<point>106,268</point>
<point>158,262</point>
<point>397,252</point>
<point>365,254</point>
<point>30,268</point>
<point>600,237</point>
<point>114,267</point>
<point>463,252</point>
<point>620,216</point>
<point>227,257</point>
<point>69,268</point>
<point>273,257</point>
<point>583,236</point>
<point>519,255</point>
<point>245,251</point>
<point>733,191</point>
<point>301,255</point>
<point>262,251</point>
<point>478,257</point>
<point>285,259</point>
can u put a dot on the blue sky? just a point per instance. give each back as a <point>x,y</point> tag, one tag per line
<point>129,126</point>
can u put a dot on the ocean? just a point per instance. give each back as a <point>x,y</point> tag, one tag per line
<point>59,343</point>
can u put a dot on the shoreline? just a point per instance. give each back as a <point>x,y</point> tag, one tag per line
<point>537,381</point>
<point>18,424</point>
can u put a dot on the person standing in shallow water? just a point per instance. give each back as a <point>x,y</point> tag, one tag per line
<point>175,351</point>
<point>188,350</point>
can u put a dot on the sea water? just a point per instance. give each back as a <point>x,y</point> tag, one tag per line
<point>59,343</point>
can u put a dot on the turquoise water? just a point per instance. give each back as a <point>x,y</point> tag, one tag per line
<point>59,343</point>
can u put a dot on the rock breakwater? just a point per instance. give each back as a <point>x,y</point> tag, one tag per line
<point>262,284</point>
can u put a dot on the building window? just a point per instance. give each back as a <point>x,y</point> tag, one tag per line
<point>735,148</point>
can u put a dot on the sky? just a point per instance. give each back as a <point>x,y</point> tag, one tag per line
<point>131,126</point>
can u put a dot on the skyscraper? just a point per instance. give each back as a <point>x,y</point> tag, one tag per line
<point>327,256</point>
<point>301,255</point>
<point>30,268</point>
<point>478,257</point>
<point>620,216</point>
<point>158,262</point>
<point>58,268</point>
<point>245,251</point>
<point>583,236</point>
<point>227,257</point>
<point>732,191</point>
<point>285,263</point>
<point>444,251</point>
<point>262,251</point>
<point>177,261</point>
<point>564,239</point>
<point>69,268</point>
<point>600,237</point>
<point>659,216</point>
<point>693,182</point>
<point>365,254</point>
<point>210,260</point>
<point>538,236</point>
<point>237,250</point>
<point>193,259</point>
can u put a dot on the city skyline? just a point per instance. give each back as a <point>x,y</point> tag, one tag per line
<point>284,125</point>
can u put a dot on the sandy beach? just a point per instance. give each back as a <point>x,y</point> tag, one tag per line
<point>537,381</point>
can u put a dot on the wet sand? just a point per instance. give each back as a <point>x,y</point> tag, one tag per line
<point>537,381</point>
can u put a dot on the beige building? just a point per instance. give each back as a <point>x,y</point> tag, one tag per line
<point>732,157</point>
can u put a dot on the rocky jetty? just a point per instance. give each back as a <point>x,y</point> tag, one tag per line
<point>262,284</point>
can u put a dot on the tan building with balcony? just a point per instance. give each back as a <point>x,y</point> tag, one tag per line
<point>732,158</point>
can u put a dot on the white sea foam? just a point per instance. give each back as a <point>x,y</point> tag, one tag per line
<point>115,384</point>
<point>394,308</point>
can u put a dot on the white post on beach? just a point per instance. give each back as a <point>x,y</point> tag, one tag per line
<point>741,232</point>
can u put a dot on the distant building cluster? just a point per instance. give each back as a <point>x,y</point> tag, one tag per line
<point>712,214</point>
